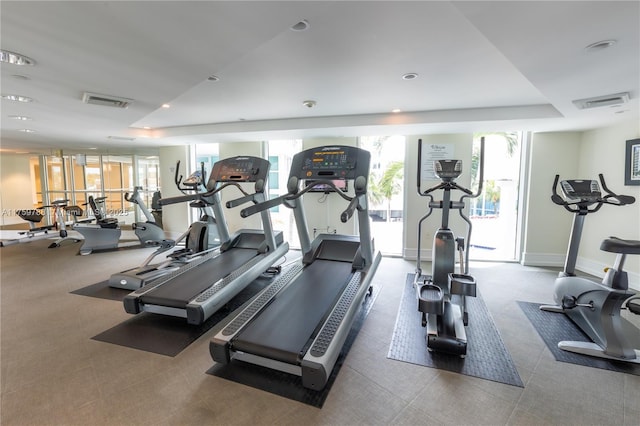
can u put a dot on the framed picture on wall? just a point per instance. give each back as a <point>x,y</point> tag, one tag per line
<point>632,163</point>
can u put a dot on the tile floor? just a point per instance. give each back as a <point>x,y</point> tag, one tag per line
<point>52,373</point>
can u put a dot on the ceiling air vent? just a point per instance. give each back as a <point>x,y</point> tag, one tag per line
<point>600,101</point>
<point>105,100</point>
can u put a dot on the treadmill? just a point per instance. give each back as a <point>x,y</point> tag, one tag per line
<point>196,291</point>
<point>299,323</point>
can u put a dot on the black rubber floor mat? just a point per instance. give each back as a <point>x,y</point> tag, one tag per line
<point>487,357</point>
<point>554,327</point>
<point>102,290</point>
<point>289,385</point>
<point>166,335</point>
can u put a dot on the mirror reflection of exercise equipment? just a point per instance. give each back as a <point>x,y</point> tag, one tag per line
<point>442,295</point>
<point>596,307</point>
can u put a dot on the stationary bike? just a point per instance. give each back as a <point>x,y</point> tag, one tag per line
<point>104,234</point>
<point>38,232</point>
<point>442,295</point>
<point>595,307</point>
<point>145,231</point>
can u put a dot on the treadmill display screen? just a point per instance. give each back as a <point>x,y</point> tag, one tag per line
<point>329,162</point>
<point>240,169</point>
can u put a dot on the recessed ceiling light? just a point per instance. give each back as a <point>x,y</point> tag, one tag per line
<point>146,128</point>
<point>121,138</point>
<point>166,106</point>
<point>410,76</point>
<point>17,98</point>
<point>396,110</point>
<point>26,130</point>
<point>301,26</point>
<point>15,58</point>
<point>213,78</point>
<point>600,45</point>
<point>20,117</point>
<point>309,103</point>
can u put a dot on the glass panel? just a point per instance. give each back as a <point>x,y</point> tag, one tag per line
<point>92,176</point>
<point>494,214</point>
<point>385,190</point>
<point>273,173</point>
<point>280,154</point>
<point>149,180</point>
<point>55,173</point>
<point>34,163</point>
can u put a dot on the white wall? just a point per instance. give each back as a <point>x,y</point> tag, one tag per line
<point>580,155</point>
<point>603,151</point>
<point>547,225</point>
<point>16,187</point>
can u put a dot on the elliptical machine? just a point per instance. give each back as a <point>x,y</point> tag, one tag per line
<point>595,307</point>
<point>442,295</point>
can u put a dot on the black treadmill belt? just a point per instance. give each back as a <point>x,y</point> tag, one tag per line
<point>284,327</point>
<point>179,291</point>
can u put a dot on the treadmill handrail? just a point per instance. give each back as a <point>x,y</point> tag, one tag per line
<point>200,195</point>
<point>282,199</point>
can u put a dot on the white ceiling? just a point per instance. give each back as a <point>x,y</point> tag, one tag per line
<point>481,66</point>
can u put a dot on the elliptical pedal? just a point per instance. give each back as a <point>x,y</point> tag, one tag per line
<point>430,299</point>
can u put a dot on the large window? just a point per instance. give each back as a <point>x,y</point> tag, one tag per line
<point>495,213</point>
<point>280,154</point>
<point>76,177</point>
<point>386,190</point>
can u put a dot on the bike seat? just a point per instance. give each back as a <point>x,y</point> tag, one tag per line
<point>110,222</point>
<point>618,245</point>
<point>30,215</point>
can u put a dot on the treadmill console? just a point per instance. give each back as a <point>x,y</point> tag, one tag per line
<point>240,169</point>
<point>581,190</point>
<point>330,162</point>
